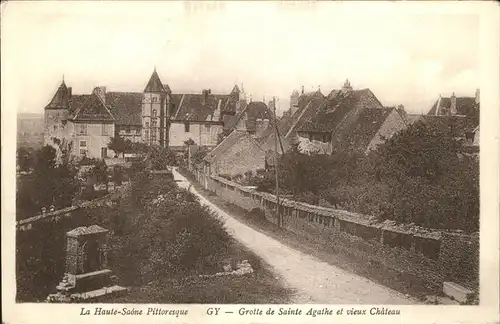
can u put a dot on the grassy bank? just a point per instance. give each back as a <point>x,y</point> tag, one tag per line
<point>260,287</point>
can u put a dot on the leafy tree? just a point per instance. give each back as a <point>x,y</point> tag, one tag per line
<point>25,159</point>
<point>53,184</point>
<point>161,157</point>
<point>189,142</point>
<point>118,145</point>
<point>198,156</point>
<point>100,172</point>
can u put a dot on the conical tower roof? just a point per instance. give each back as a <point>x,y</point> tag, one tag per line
<point>60,99</point>
<point>154,84</point>
<point>235,89</point>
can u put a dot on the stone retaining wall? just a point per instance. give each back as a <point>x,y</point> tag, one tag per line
<point>27,223</point>
<point>431,256</point>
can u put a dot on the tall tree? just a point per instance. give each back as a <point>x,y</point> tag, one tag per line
<point>53,184</point>
<point>117,144</point>
<point>24,159</point>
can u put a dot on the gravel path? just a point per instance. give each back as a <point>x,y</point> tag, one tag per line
<point>314,280</point>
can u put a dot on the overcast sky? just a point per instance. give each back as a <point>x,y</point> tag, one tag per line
<point>272,48</point>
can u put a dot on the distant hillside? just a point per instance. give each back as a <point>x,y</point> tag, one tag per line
<point>30,130</point>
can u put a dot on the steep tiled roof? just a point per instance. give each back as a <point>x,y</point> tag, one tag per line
<point>287,124</point>
<point>230,140</point>
<point>465,106</point>
<point>306,105</point>
<point>459,125</point>
<point>253,111</point>
<point>61,98</point>
<point>167,88</point>
<point>76,103</point>
<point>192,107</point>
<point>360,133</point>
<point>326,116</point>
<point>235,89</point>
<point>126,107</point>
<point>154,84</point>
<point>93,109</point>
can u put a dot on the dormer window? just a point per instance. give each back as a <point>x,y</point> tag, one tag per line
<point>82,129</point>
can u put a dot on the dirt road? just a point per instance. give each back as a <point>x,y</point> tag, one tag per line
<point>314,280</point>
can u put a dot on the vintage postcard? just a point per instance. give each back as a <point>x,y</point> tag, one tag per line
<point>250,162</point>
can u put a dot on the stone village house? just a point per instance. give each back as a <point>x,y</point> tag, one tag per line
<point>460,113</point>
<point>346,119</point>
<point>240,152</point>
<point>155,116</point>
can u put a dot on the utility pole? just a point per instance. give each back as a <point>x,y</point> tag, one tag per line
<point>276,169</point>
<point>189,158</point>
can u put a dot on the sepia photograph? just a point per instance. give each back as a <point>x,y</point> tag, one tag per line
<point>219,152</point>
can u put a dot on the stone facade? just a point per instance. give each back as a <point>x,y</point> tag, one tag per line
<point>202,133</point>
<point>240,158</point>
<point>132,133</point>
<point>91,139</point>
<point>56,125</point>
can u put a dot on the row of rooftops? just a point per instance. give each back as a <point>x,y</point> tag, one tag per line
<point>125,108</point>
<point>309,112</point>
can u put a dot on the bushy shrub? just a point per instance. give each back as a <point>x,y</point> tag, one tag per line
<point>170,232</point>
<point>161,157</point>
<point>257,215</point>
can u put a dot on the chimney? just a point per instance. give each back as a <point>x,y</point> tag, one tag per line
<point>346,88</point>
<point>294,101</point>
<point>302,89</point>
<point>205,93</point>
<point>101,93</point>
<point>402,112</point>
<point>70,92</point>
<point>477,97</point>
<point>453,104</point>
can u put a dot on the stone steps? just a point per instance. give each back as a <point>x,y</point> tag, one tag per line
<point>99,293</point>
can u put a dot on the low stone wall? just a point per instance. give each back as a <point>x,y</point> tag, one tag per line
<point>431,256</point>
<point>27,223</point>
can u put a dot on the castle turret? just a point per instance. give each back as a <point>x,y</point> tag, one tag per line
<point>155,114</point>
<point>56,115</point>
<point>235,93</point>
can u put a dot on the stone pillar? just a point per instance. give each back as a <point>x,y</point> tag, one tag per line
<point>72,255</point>
<point>336,225</point>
